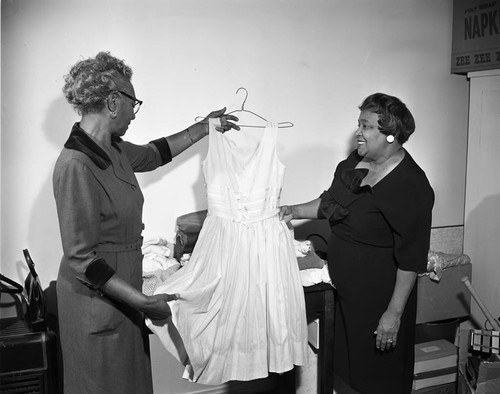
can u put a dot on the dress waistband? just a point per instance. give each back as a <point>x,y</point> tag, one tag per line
<point>115,248</point>
<point>243,220</point>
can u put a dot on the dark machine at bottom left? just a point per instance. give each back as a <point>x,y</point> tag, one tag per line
<point>28,348</point>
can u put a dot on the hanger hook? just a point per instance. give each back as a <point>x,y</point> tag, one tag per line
<point>245,100</point>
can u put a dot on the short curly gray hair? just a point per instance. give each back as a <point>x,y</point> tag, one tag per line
<point>90,81</point>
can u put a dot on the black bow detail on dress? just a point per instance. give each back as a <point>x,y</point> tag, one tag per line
<point>335,201</point>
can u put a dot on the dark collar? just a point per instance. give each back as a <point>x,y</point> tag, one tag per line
<point>80,141</point>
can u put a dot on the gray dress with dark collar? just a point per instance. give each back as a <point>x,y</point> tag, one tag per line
<point>105,346</point>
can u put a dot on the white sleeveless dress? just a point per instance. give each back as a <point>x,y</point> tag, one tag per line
<point>241,311</point>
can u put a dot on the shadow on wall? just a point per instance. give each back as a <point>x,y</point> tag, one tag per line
<point>198,151</point>
<point>43,234</point>
<point>50,296</point>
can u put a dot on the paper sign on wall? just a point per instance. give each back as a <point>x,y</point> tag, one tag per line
<point>476,36</point>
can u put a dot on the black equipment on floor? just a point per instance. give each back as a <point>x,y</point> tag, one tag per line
<point>28,349</point>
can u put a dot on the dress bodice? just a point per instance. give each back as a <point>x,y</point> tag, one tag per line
<point>243,174</point>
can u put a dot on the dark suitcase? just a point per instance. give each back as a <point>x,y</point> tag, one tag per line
<point>28,349</point>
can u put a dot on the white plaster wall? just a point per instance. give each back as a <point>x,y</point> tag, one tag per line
<point>310,62</point>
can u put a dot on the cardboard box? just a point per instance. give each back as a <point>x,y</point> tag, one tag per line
<point>446,299</point>
<point>435,355</point>
<point>435,378</point>
<point>436,363</point>
<point>448,388</point>
<point>488,379</point>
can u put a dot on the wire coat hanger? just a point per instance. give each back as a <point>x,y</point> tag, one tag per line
<point>247,110</point>
<point>280,125</point>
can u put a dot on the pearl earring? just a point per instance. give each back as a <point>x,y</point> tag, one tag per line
<point>390,139</point>
<point>113,115</point>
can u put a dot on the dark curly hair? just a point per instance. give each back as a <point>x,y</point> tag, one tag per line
<point>394,117</point>
<point>90,81</point>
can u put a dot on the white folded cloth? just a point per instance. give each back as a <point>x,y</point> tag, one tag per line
<point>314,276</point>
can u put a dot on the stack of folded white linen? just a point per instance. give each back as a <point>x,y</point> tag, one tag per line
<point>157,263</point>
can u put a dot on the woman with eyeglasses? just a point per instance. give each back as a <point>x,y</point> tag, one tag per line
<point>101,307</point>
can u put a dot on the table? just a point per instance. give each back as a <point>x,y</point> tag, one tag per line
<point>320,304</point>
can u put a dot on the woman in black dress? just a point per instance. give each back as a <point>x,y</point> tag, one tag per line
<point>380,208</point>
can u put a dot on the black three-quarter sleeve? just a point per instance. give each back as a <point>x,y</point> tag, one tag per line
<point>406,202</point>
